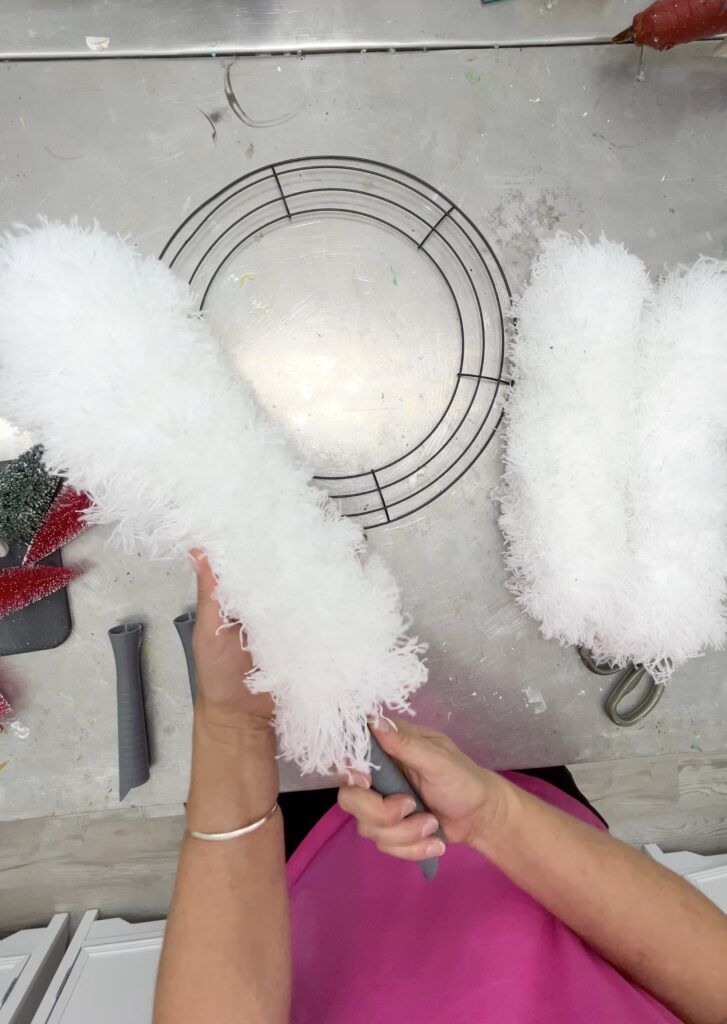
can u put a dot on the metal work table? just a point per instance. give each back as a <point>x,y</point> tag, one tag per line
<point>83,28</point>
<point>525,141</point>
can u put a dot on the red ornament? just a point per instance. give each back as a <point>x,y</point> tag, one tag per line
<point>25,584</point>
<point>6,708</point>
<point>63,521</point>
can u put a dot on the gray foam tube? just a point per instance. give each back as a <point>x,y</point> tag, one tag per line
<point>184,624</point>
<point>388,779</point>
<point>133,740</point>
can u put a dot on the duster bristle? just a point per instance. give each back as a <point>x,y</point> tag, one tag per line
<point>106,360</point>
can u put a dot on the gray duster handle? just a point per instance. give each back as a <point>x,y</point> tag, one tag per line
<point>133,740</point>
<point>388,779</point>
<point>184,625</point>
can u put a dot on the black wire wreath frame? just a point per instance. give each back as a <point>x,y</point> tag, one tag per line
<point>288,203</point>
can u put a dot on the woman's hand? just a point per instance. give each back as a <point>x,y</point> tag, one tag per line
<point>465,799</point>
<point>234,774</point>
<point>221,660</point>
<point>226,954</point>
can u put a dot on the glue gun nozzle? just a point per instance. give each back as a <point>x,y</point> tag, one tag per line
<point>627,36</point>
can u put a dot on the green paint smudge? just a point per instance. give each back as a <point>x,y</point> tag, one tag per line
<point>472,78</point>
<point>394,278</point>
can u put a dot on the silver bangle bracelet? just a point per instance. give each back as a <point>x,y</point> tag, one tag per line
<point>219,837</point>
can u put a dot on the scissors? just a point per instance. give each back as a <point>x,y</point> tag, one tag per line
<point>628,681</point>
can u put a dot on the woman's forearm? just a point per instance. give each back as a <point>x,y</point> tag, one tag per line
<point>648,922</point>
<point>226,955</point>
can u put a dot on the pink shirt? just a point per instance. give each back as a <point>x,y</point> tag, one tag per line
<point>375,943</point>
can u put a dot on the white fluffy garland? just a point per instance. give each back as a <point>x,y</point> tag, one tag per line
<point>104,358</point>
<point>568,434</point>
<point>679,472</point>
<point>614,501</point>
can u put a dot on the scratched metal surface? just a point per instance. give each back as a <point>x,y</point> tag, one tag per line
<point>542,139</point>
<point>87,28</point>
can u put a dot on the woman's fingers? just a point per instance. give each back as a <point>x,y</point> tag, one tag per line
<point>422,850</point>
<point>208,612</point>
<point>373,810</point>
<point>354,778</point>
<point>390,823</point>
<point>411,745</point>
<point>205,576</point>
<point>405,833</point>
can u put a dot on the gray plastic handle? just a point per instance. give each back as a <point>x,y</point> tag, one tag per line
<point>388,779</point>
<point>184,624</point>
<point>133,739</point>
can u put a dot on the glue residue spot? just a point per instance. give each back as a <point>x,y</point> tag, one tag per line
<point>97,43</point>
<point>535,699</point>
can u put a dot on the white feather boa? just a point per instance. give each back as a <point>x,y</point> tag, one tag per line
<point>104,358</point>
<point>614,502</point>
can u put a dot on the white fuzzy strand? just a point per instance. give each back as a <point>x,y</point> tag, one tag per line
<point>104,358</point>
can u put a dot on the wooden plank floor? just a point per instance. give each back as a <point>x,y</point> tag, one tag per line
<point>123,862</point>
<point>678,802</point>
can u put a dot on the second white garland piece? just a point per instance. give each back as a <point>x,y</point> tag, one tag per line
<point>678,477</point>
<point>104,358</point>
<point>568,439</point>
<point>614,502</point>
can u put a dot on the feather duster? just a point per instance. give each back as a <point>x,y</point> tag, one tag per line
<point>105,359</point>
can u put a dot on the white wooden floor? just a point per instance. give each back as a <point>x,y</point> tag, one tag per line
<point>123,862</point>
